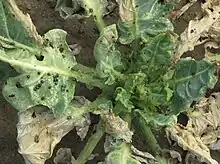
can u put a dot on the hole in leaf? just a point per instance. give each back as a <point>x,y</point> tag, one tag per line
<point>81,11</point>
<point>37,87</point>
<point>202,38</point>
<point>69,118</point>
<point>42,98</point>
<point>39,58</point>
<point>61,49</point>
<point>211,9</point>
<point>213,96</point>
<point>18,85</point>
<point>33,115</point>
<point>203,1</point>
<point>91,10</point>
<point>28,76</point>
<point>36,138</point>
<point>12,95</point>
<point>182,119</point>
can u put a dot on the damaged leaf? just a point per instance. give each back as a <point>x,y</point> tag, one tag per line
<point>39,131</point>
<point>191,80</point>
<point>84,8</point>
<point>41,77</point>
<point>201,30</point>
<point>141,19</point>
<point>202,130</point>
<point>108,57</point>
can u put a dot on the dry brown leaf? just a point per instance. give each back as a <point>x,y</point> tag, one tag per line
<point>126,10</point>
<point>200,30</point>
<point>202,130</point>
<point>39,131</point>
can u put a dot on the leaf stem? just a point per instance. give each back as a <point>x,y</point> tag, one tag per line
<point>149,137</point>
<point>16,44</point>
<point>80,73</point>
<point>90,145</point>
<point>99,22</point>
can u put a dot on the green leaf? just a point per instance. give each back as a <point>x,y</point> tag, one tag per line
<point>135,82</point>
<point>124,97</point>
<point>108,57</point>
<point>122,155</point>
<point>15,25</point>
<point>44,80</point>
<point>156,57</point>
<point>191,80</point>
<point>141,19</point>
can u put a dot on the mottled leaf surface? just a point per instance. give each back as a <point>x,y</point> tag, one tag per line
<point>107,55</point>
<point>141,19</point>
<point>44,79</point>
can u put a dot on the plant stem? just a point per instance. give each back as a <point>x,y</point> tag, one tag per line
<point>145,130</point>
<point>99,22</point>
<point>90,145</point>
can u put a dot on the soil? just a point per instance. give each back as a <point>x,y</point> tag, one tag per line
<point>85,34</point>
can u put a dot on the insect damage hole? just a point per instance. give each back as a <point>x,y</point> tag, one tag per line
<point>182,119</point>
<point>39,57</point>
<point>36,139</point>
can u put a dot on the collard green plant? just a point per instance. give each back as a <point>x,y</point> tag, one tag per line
<point>141,89</point>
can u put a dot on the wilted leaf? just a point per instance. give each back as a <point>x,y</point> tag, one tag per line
<point>200,30</point>
<point>202,129</point>
<point>107,55</point>
<point>44,80</point>
<point>141,19</point>
<point>39,131</point>
<point>191,80</point>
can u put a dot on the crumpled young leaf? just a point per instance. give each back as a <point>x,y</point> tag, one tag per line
<point>124,97</point>
<point>202,130</point>
<point>43,80</point>
<point>83,8</point>
<point>191,80</point>
<point>17,26</point>
<point>141,19</point>
<point>108,57</point>
<point>39,131</point>
<point>200,30</point>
